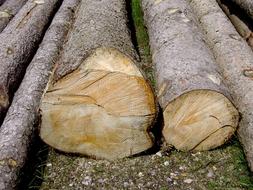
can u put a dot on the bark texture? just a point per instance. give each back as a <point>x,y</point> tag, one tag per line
<point>239,24</point>
<point>112,106</point>
<point>99,23</point>
<point>18,126</point>
<point>236,60</point>
<point>186,75</point>
<point>18,43</point>
<point>8,10</point>
<point>246,5</point>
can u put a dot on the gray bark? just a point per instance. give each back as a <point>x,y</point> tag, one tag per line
<point>236,60</point>
<point>8,10</point>
<point>18,126</point>
<point>246,5</point>
<point>239,24</point>
<point>182,60</point>
<point>18,43</point>
<point>99,23</point>
<point>2,1</point>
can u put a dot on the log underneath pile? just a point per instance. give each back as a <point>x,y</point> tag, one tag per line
<point>246,5</point>
<point>8,10</point>
<point>18,43</point>
<point>241,27</point>
<point>198,114</point>
<point>18,126</point>
<point>98,102</point>
<point>235,58</point>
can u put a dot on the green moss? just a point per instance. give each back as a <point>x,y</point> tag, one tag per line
<point>240,163</point>
<point>142,40</point>
<point>141,32</point>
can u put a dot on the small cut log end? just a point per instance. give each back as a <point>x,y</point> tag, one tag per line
<point>199,120</point>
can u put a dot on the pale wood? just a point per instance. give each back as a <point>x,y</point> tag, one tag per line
<point>235,58</point>
<point>188,79</point>
<point>103,109</point>
<point>200,120</point>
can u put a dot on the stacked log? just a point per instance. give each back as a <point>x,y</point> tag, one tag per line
<point>18,43</point>
<point>197,109</point>
<point>18,127</point>
<point>246,5</point>
<point>241,27</point>
<point>98,103</point>
<point>8,10</point>
<point>235,58</point>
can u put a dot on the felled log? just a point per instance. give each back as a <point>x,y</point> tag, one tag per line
<point>98,102</point>
<point>198,113</point>
<point>246,5</point>
<point>235,58</point>
<point>241,27</point>
<point>8,10</point>
<point>18,127</point>
<point>18,43</point>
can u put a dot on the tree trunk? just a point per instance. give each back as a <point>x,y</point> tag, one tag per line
<point>8,10</point>
<point>18,43</point>
<point>18,126</point>
<point>198,114</point>
<point>240,26</point>
<point>236,60</point>
<point>246,5</point>
<point>112,106</point>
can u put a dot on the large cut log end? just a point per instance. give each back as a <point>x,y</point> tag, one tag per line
<point>102,109</point>
<point>199,120</point>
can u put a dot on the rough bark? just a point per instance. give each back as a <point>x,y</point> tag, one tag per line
<point>112,106</point>
<point>239,24</point>
<point>99,23</point>
<point>246,5</point>
<point>8,10</point>
<point>18,126</point>
<point>190,88</point>
<point>236,60</point>
<point>18,43</point>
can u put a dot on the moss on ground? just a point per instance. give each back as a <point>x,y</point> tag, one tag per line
<point>141,34</point>
<point>221,169</point>
<point>224,168</point>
